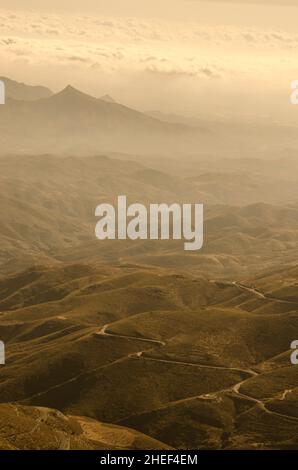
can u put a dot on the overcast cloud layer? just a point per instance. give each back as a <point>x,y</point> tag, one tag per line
<point>144,61</point>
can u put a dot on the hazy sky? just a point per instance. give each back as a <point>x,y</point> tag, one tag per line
<point>175,55</point>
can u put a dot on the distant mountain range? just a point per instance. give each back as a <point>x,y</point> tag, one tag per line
<point>36,120</point>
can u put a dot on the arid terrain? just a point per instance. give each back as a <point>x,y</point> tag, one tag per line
<point>140,344</point>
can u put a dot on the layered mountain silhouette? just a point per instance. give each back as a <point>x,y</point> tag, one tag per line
<point>34,120</point>
<point>75,121</point>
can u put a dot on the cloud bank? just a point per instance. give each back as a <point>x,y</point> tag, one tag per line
<point>123,51</point>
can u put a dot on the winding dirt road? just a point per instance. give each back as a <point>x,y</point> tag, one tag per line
<point>103,332</point>
<point>249,289</point>
<point>235,388</point>
<point>259,294</point>
<point>140,355</point>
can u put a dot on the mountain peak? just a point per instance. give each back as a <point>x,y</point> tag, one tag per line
<point>108,99</point>
<point>71,94</point>
<point>69,89</point>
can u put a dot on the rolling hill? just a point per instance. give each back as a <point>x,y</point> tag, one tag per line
<point>32,428</point>
<point>145,348</point>
<point>48,203</point>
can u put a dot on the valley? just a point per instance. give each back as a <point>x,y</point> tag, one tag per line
<point>138,343</point>
<point>86,354</point>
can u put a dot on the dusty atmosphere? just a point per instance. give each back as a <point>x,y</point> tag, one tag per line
<point>138,343</point>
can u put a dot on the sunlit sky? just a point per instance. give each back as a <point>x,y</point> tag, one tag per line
<point>186,56</point>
